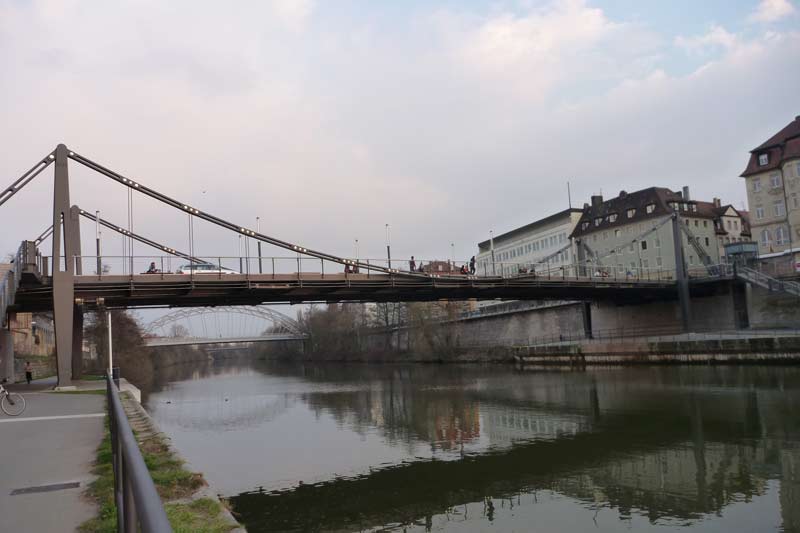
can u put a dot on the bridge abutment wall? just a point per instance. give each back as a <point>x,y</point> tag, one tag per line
<point>6,355</point>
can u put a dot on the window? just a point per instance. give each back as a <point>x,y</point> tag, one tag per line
<point>612,217</point>
<point>736,224</point>
<point>644,245</point>
<point>562,237</point>
<point>759,213</point>
<point>779,208</point>
<point>763,159</point>
<point>705,223</point>
<point>707,242</point>
<point>683,207</point>
<point>757,185</point>
<point>658,242</point>
<point>658,261</point>
<point>630,248</point>
<point>617,232</point>
<point>645,263</point>
<point>775,180</point>
<point>795,200</point>
<point>597,221</point>
<point>729,224</point>
<point>650,208</point>
<point>696,223</point>
<point>630,212</point>
<point>781,235</point>
<point>765,238</point>
<point>584,225</point>
<point>691,259</point>
<point>693,208</point>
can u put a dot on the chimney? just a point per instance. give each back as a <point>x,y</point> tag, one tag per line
<point>717,202</point>
<point>686,193</point>
<point>597,199</point>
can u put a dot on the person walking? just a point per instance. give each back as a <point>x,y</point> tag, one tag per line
<point>472,265</point>
<point>28,372</point>
<point>412,265</point>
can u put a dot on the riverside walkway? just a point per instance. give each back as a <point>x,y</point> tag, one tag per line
<point>48,453</point>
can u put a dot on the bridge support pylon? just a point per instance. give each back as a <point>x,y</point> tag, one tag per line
<point>681,276</point>
<point>66,248</point>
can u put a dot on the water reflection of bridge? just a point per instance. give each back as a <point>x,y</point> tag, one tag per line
<point>635,448</point>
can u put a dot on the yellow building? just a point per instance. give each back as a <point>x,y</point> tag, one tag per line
<point>773,193</point>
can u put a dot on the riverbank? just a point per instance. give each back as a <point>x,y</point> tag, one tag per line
<point>189,507</point>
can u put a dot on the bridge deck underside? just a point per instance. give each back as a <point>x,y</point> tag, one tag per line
<point>211,290</point>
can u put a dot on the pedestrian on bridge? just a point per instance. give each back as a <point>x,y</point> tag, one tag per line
<point>412,265</point>
<point>472,265</point>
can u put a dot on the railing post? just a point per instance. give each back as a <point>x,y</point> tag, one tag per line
<point>273,267</point>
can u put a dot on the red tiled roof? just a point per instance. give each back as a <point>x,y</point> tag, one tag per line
<point>782,146</point>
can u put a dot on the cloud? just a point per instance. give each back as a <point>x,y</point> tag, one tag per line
<point>445,124</point>
<point>294,13</point>
<point>716,37</point>
<point>533,52</point>
<point>772,10</point>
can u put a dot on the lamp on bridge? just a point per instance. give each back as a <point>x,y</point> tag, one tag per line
<point>388,247</point>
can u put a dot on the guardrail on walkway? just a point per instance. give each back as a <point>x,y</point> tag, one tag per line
<point>138,503</point>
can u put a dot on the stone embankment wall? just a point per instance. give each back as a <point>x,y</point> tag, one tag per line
<point>43,366</point>
<point>735,350</point>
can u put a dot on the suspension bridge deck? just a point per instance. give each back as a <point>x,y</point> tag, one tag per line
<point>181,290</point>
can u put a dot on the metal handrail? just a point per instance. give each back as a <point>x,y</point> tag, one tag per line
<point>138,503</point>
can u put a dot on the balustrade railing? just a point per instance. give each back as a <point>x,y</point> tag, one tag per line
<point>139,507</point>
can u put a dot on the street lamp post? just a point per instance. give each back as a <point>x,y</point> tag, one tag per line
<point>452,255</point>
<point>258,230</point>
<point>97,241</point>
<point>388,247</point>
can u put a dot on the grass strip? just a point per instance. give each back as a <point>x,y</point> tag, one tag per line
<point>172,480</point>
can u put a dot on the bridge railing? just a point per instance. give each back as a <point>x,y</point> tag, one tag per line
<point>135,496</point>
<point>282,266</point>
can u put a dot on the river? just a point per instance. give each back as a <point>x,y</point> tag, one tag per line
<point>356,447</point>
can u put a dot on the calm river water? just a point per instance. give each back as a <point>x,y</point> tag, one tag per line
<point>334,447</point>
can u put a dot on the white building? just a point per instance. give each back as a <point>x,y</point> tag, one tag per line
<point>538,246</point>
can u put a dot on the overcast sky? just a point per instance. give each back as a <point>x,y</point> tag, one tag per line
<point>330,119</point>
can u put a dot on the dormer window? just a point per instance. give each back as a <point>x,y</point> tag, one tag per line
<point>683,207</point>
<point>585,225</point>
<point>693,208</point>
<point>650,208</point>
<point>612,217</point>
<point>763,159</point>
<point>597,221</point>
<point>631,212</point>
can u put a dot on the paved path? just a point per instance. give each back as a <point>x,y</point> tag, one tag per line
<point>50,446</point>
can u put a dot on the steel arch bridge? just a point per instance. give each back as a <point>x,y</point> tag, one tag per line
<point>205,325</point>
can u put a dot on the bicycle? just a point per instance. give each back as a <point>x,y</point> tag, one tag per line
<point>12,403</point>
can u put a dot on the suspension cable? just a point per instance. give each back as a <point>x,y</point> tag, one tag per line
<point>218,221</point>
<point>26,178</point>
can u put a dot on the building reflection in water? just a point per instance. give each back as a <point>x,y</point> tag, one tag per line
<point>664,445</point>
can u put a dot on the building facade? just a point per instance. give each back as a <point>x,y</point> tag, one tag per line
<point>538,246</point>
<point>632,233</point>
<point>773,192</point>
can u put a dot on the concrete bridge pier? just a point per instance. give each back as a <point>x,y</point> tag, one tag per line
<point>77,342</point>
